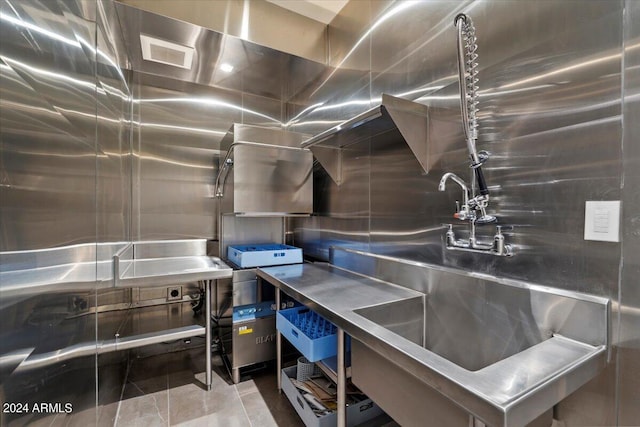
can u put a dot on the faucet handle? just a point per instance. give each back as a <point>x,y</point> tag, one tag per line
<point>462,213</point>
<point>457,212</point>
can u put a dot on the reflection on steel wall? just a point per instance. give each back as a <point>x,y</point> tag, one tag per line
<point>176,148</point>
<point>538,87</point>
<point>550,112</point>
<point>181,116</point>
<point>66,178</point>
<point>113,133</point>
<point>114,117</point>
<point>48,130</point>
<point>48,192</point>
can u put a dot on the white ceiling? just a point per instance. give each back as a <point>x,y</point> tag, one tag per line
<point>319,10</point>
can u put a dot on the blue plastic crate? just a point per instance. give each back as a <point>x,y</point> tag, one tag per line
<point>314,336</point>
<point>246,256</point>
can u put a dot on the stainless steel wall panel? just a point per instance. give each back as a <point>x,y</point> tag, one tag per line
<point>343,89</point>
<point>346,29</point>
<point>303,77</point>
<point>262,111</point>
<point>175,158</point>
<point>550,112</point>
<point>113,133</point>
<point>238,230</point>
<point>48,127</point>
<point>629,310</point>
<point>344,96</point>
<point>524,125</point>
<point>398,203</point>
<point>348,207</point>
<point>48,190</point>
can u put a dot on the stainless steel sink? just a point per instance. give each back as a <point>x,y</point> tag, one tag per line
<point>404,317</point>
<point>434,346</point>
<point>472,329</point>
<point>504,351</point>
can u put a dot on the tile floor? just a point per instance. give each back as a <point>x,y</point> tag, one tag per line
<point>169,390</point>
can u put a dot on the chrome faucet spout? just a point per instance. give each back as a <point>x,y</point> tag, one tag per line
<point>455,178</point>
<point>463,212</point>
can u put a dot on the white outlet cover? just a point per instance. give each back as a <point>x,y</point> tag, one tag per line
<point>602,221</point>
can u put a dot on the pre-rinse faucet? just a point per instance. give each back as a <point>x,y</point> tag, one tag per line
<point>474,211</point>
<point>474,206</point>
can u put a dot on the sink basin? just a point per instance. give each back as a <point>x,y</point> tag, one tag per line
<point>473,329</point>
<point>501,350</point>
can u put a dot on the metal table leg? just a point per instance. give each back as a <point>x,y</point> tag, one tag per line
<point>342,380</point>
<point>278,346</point>
<point>207,327</point>
<point>474,422</point>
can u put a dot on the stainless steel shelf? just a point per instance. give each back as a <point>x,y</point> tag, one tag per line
<point>122,330</point>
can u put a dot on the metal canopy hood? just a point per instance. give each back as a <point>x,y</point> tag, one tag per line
<point>394,116</point>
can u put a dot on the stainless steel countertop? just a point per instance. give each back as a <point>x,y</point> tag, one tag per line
<point>171,270</point>
<point>500,394</point>
<point>60,278</point>
<point>91,265</point>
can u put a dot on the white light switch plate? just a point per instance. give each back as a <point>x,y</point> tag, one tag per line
<point>602,221</point>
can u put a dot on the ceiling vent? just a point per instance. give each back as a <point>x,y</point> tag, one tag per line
<point>165,52</point>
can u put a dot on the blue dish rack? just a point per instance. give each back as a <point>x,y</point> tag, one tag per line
<point>247,256</point>
<point>314,336</point>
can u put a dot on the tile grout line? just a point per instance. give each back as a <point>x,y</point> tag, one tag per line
<point>168,399</point>
<point>124,384</point>
<point>235,387</point>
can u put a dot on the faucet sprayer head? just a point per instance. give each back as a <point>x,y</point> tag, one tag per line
<point>486,219</point>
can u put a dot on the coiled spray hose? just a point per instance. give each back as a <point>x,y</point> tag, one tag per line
<point>468,81</point>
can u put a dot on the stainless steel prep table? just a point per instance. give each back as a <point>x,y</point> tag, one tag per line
<point>90,266</point>
<point>334,294</point>
<point>511,391</point>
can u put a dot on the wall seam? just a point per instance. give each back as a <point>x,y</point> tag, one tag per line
<point>618,315</point>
